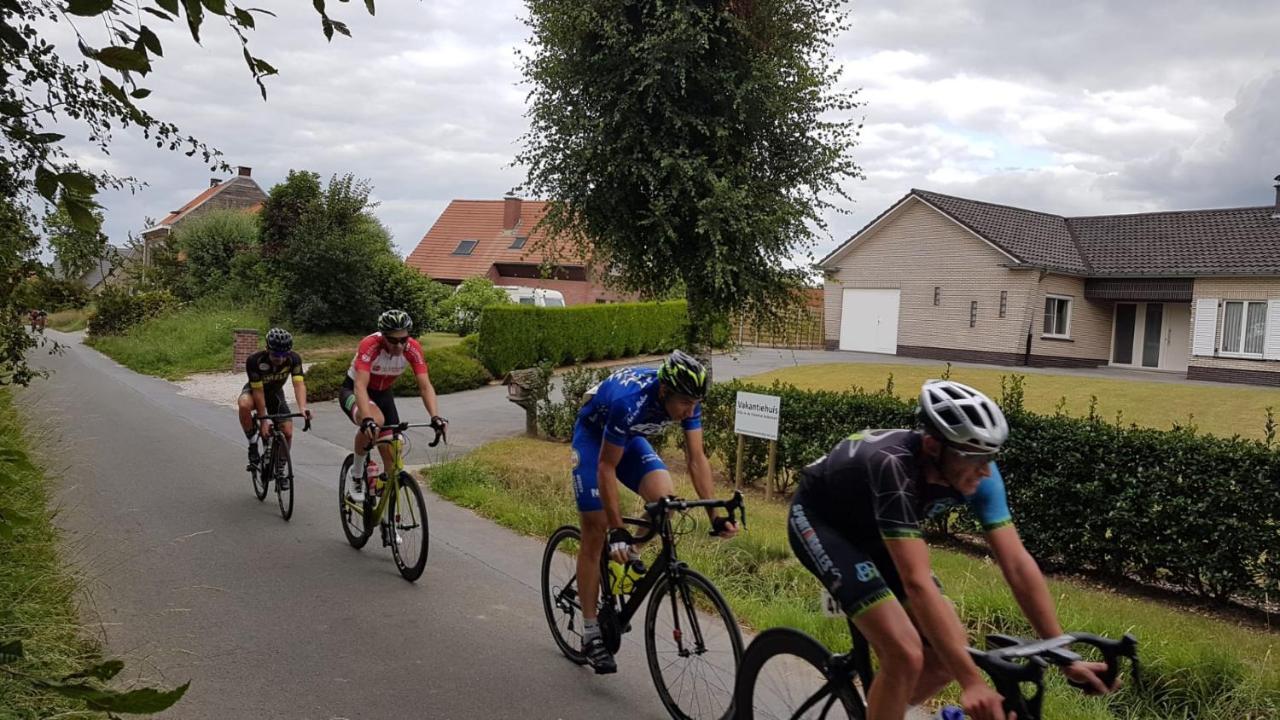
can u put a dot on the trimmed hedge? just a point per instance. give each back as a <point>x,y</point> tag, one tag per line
<point>520,336</point>
<point>451,370</point>
<point>1164,507</point>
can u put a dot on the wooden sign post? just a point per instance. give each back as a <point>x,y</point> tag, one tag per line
<point>757,416</point>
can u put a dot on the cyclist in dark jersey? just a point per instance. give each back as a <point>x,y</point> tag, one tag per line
<point>855,524</point>
<point>267,371</point>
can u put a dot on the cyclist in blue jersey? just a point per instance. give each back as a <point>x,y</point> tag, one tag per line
<point>855,522</point>
<point>610,447</point>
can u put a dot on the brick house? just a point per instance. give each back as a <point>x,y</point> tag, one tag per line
<point>240,192</point>
<point>497,239</point>
<point>937,276</point>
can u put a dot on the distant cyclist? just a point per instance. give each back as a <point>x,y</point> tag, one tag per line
<point>267,371</point>
<point>610,448</point>
<point>366,395</point>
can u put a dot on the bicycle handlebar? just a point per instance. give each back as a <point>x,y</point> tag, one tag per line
<point>401,427</point>
<point>1000,663</point>
<point>281,417</point>
<point>737,509</point>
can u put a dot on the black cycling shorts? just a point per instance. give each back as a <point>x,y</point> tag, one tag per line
<point>384,399</point>
<point>276,404</point>
<point>858,574</point>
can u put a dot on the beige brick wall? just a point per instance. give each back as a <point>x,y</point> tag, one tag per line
<point>1090,323</point>
<point>918,248</point>
<point>1237,288</point>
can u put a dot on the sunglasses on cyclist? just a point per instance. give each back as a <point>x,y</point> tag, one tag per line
<point>973,457</point>
<point>284,354</point>
<point>396,340</point>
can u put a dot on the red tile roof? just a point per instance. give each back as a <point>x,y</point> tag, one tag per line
<point>195,202</point>
<point>481,220</point>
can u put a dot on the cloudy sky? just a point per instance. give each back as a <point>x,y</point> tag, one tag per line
<point>1075,108</point>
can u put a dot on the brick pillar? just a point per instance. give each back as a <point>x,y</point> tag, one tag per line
<point>244,344</point>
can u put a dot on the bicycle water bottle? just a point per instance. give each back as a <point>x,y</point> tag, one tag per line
<point>950,712</point>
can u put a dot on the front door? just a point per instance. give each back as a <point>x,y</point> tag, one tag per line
<point>1153,335</point>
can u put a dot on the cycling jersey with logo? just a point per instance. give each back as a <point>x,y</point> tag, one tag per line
<point>383,367</point>
<point>871,486</point>
<point>262,374</point>
<point>626,405</point>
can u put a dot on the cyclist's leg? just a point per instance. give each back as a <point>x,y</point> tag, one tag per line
<point>244,406</point>
<point>934,676</point>
<point>385,401</point>
<point>643,471</point>
<point>347,401</point>
<point>278,405</point>
<point>591,516</point>
<point>853,578</point>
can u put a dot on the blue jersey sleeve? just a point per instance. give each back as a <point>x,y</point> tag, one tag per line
<point>617,424</point>
<point>694,421</point>
<point>989,502</point>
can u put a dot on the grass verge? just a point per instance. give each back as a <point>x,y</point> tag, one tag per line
<point>1195,666</point>
<point>1217,410</point>
<point>37,594</point>
<point>69,320</point>
<point>197,338</point>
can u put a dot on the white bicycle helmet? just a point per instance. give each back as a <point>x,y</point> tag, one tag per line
<point>963,416</point>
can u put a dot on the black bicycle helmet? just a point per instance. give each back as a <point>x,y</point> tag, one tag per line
<point>685,375</point>
<point>393,320</point>
<point>279,340</point>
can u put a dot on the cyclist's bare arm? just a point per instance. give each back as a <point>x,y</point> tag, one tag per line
<point>300,393</point>
<point>607,481</point>
<point>695,455</point>
<point>936,616</point>
<point>428,393</point>
<point>259,400</point>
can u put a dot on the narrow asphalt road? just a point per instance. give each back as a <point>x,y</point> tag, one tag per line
<point>191,578</point>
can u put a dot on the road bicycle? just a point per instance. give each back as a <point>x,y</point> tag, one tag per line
<point>393,503</point>
<point>275,463</point>
<point>692,640</point>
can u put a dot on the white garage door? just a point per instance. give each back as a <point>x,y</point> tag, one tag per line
<point>869,321</point>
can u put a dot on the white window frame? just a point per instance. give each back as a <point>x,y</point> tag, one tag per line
<point>1244,329</point>
<point>1070,301</point>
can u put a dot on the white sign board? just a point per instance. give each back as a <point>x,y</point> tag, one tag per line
<point>757,415</point>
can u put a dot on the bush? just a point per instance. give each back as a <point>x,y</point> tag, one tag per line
<point>519,336</point>
<point>51,294</point>
<point>117,310</point>
<point>1166,507</point>
<point>396,285</point>
<point>451,369</point>
<point>556,419</point>
<point>215,245</point>
<point>460,311</point>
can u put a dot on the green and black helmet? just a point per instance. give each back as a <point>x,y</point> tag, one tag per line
<point>393,320</point>
<point>685,375</point>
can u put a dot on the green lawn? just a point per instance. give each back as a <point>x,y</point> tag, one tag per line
<point>69,320</point>
<point>1196,666</point>
<point>1222,411</point>
<point>198,339</point>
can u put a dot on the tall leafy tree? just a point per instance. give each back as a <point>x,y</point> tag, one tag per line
<point>690,143</point>
<point>76,249</point>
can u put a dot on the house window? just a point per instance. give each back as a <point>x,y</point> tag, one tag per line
<point>1057,316</point>
<point>937,295</point>
<point>1004,302</point>
<point>465,247</point>
<point>1244,326</point>
<point>973,313</point>
<point>518,242</point>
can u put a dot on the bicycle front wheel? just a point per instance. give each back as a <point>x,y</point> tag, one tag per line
<point>351,513</point>
<point>560,591</point>
<point>407,525</point>
<point>259,481</point>
<point>282,461</point>
<point>784,677</point>
<point>693,644</point>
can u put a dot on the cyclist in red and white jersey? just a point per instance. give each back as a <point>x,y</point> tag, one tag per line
<point>366,395</point>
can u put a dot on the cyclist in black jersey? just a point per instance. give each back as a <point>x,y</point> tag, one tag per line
<point>267,371</point>
<point>855,524</point>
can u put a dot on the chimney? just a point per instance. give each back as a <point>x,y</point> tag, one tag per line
<point>510,211</point>
<point>214,182</point>
<point>1275,214</point>
<point>243,171</point>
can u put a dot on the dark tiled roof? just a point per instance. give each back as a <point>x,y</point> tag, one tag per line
<point>1192,242</point>
<point>1034,238</point>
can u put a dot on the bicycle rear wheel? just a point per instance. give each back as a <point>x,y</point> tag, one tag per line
<point>282,462</point>
<point>407,524</point>
<point>693,645</point>
<point>560,591</point>
<point>259,481</point>
<point>350,513</point>
<point>783,676</point>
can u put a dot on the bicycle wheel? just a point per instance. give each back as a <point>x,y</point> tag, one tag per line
<point>407,523</point>
<point>259,481</point>
<point>560,591</point>
<point>351,514</point>
<point>784,676</point>
<point>283,464</point>
<point>693,644</point>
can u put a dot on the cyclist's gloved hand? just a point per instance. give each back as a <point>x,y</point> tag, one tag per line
<point>307,415</point>
<point>264,428</point>
<point>438,422</point>
<point>619,543</point>
<point>369,427</point>
<point>723,527</point>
